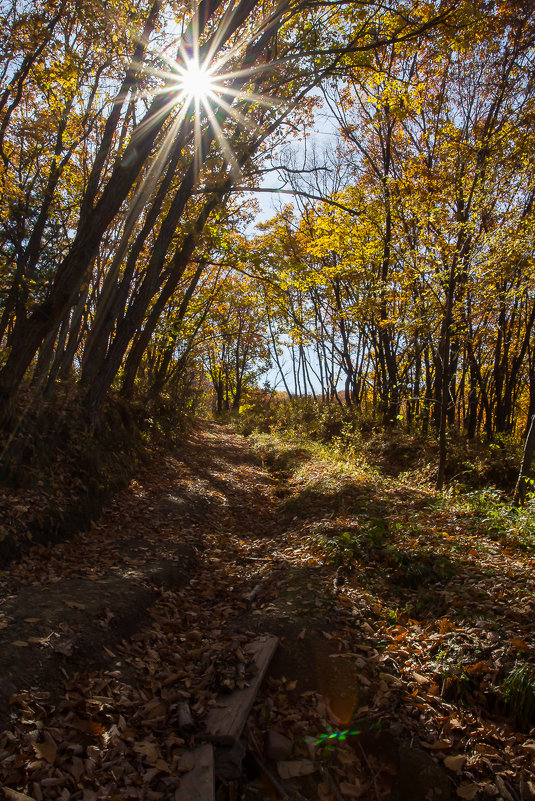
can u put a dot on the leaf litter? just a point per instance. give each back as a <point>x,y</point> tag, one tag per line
<point>367,688</point>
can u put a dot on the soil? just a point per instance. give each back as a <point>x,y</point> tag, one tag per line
<point>151,605</point>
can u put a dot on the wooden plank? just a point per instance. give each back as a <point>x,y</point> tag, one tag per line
<point>199,783</point>
<point>225,721</point>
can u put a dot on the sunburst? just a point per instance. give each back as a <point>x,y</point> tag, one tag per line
<point>201,93</point>
<point>196,81</point>
<point>200,90</point>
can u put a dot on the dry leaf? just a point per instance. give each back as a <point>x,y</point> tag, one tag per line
<point>455,762</point>
<point>325,792</point>
<point>446,626</point>
<point>186,762</point>
<point>64,647</point>
<point>13,795</point>
<point>504,790</point>
<point>438,745</point>
<point>154,710</point>
<point>289,770</point>
<point>46,751</point>
<point>20,643</point>
<point>147,750</point>
<point>479,667</point>
<point>346,756</point>
<point>91,727</point>
<point>486,750</point>
<point>353,790</point>
<point>521,645</point>
<point>420,679</point>
<point>77,767</point>
<point>467,790</point>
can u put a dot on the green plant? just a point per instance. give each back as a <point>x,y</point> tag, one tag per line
<point>342,548</point>
<point>518,693</point>
<point>501,520</point>
<point>375,530</point>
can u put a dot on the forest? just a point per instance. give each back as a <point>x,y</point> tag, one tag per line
<point>399,281</point>
<point>276,256</point>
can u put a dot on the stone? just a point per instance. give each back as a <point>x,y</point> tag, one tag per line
<point>278,746</point>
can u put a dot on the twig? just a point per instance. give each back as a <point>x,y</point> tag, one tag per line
<point>372,772</point>
<point>269,775</point>
<point>325,772</point>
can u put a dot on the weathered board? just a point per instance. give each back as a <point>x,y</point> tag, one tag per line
<point>225,721</point>
<point>199,783</point>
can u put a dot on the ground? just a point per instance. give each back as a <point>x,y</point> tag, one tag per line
<point>115,644</point>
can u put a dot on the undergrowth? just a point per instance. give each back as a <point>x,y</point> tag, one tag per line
<point>444,568</point>
<point>328,456</point>
<point>57,470</point>
<point>472,464</point>
<point>518,692</point>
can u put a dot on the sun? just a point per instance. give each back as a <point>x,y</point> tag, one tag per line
<point>196,81</point>
<point>204,94</point>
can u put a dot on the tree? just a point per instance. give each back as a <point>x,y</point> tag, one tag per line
<point>146,141</point>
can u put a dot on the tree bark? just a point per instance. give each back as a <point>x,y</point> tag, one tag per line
<point>519,497</point>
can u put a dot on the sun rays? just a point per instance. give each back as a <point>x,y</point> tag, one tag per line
<point>196,81</point>
<point>206,94</point>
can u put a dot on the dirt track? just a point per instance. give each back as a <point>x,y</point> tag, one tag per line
<point>105,638</point>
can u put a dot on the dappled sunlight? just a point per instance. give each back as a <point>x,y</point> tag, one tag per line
<point>446,601</point>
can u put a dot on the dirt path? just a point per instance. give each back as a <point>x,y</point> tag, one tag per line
<point>113,646</point>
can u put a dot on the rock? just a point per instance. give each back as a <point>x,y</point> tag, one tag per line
<point>296,768</point>
<point>278,746</point>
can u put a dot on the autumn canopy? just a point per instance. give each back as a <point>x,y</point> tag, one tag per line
<point>399,281</point>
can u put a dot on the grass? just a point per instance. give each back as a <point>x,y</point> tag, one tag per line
<point>335,471</point>
<point>518,692</point>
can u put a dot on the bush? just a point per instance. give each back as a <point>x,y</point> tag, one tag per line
<point>500,520</point>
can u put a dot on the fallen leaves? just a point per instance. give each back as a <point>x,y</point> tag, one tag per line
<point>14,795</point>
<point>455,763</point>
<point>467,790</point>
<point>127,729</point>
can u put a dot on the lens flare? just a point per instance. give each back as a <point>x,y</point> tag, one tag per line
<point>338,736</point>
<point>206,94</point>
<point>196,81</point>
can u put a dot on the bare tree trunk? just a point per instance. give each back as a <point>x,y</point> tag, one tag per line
<point>519,497</point>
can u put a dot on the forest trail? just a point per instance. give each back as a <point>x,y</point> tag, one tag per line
<point>154,602</point>
<point>115,645</point>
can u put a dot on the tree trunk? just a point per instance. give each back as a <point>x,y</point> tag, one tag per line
<point>519,497</point>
